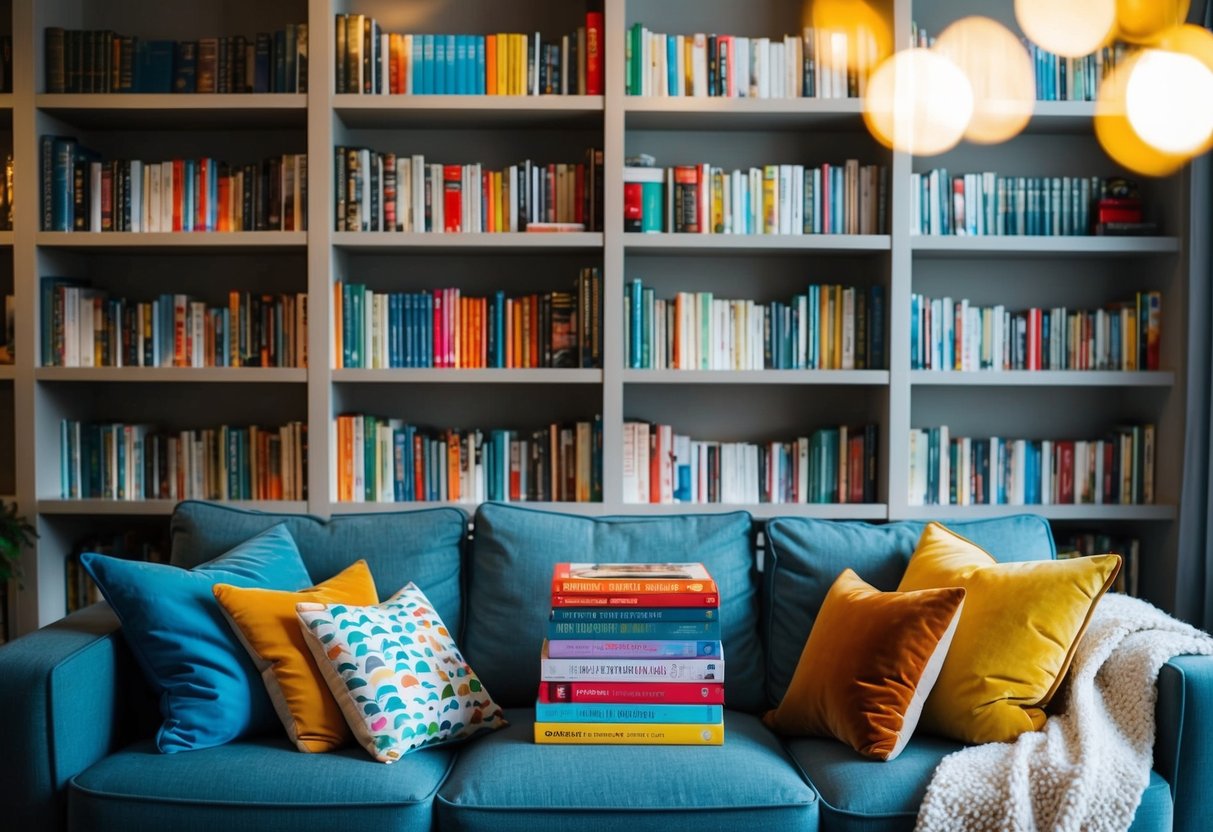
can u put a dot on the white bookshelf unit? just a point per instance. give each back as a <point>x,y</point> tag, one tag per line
<point>724,405</point>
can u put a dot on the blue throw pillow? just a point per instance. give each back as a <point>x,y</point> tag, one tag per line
<point>210,693</point>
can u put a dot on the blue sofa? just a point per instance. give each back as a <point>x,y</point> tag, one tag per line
<point>78,717</point>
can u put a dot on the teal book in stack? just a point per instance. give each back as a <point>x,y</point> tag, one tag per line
<point>633,656</point>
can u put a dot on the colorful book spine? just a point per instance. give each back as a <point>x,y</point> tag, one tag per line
<point>632,648</point>
<point>669,630</point>
<point>615,617</point>
<point>685,671</point>
<point>624,693</point>
<point>986,204</point>
<point>700,600</point>
<point>591,712</point>
<point>624,733</point>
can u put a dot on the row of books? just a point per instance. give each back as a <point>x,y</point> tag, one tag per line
<point>833,465</point>
<point>1085,544</point>
<point>954,335</point>
<point>774,199</point>
<point>86,327</point>
<point>986,204</point>
<point>139,545</point>
<point>388,460</point>
<point>828,327</point>
<point>102,61</point>
<point>651,674</point>
<point>445,328</point>
<point>82,193</point>
<point>371,61</point>
<point>815,64</point>
<point>118,461</point>
<point>394,192</point>
<point>1057,78</point>
<point>8,333</point>
<point>961,471</point>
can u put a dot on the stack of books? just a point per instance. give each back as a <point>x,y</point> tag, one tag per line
<point>633,656</point>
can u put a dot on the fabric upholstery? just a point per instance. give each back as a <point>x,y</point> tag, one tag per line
<point>804,556</point>
<point>868,666</point>
<point>424,547</point>
<point>504,782</point>
<point>266,623</point>
<point>210,692</point>
<point>260,785</point>
<point>510,581</point>
<point>396,674</point>
<point>1183,748</point>
<point>1017,635</point>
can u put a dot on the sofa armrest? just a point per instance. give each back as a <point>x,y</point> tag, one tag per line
<point>1183,749</point>
<point>71,694</point>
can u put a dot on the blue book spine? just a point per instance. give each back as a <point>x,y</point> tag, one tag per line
<point>500,328</point>
<point>410,468</point>
<point>637,323</point>
<point>438,67</point>
<point>451,55</point>
<point>480,66</point>
<point>672,64</point>
<point>212,199</point>
<point>188,206</point>
<point>592,712</point>
<point>639,648</point>
<point>62,175</point>
<point>463,68</point>
<point>425,75</point>
<point>262,54</point>
<point>660,630</point>
<point>398,465</point>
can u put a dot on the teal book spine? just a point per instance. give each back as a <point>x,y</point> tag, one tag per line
<point>632,648</point>
<point>662,630</point>
<point>590,712</point>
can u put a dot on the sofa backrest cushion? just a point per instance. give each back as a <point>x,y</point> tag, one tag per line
<point>510,582</point>
<point>424,547</point>
<point>805,556</point>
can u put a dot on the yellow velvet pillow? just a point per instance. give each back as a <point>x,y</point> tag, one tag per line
<point>868,665</point>
<point>1020,627</point>
<point>265,622</point>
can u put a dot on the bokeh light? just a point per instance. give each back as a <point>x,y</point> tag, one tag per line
<point>1118,138</point>
<point>1140,21</point>
<point>1000,73</point>
<point>1070,28</point>
<point>1161,96</point>
<point>869,39</point>
<point>919,102</point>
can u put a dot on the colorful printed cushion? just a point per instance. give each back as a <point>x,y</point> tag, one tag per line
<point>868,665</point>
<point>267,626</point>
<point>209,691</point>
<point>397,675</point>
<point>1017,635</point>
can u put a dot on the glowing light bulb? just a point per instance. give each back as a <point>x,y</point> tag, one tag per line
<point>860,36</point>
<point>919,102</point>
<point>1118,138</point>
<point>1070,28</point>
<point>1000,73</point>
<point>1140,21</point>
<point>1169,101</point>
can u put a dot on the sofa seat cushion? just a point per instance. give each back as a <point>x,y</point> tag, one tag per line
<point>263,785</point>
<point>862,795</point>
<point>504,782</point>
<point>424,547</point>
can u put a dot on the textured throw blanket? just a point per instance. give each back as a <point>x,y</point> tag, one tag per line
<point>1088,768</point>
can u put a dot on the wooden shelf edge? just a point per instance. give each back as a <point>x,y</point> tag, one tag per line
<point>871,378</point>
<point>468,376</point>
<point>189,375</point>
<point>1094,513</point>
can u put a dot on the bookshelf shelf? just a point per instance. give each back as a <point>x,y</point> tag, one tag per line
<point>653,113</point>
<point>946,246</point>
<point>755,243</point>
<point>1062,117</point>
<point>447,111</point>
<point>396,242</point>
<point>765,511</point>
<point>6,239</point>
<point>181,242</point>
<point>7,372</point>
<point>156,507</point>
<point>247,375</point>
<point>454,376</point>
<point>872,378</point>
<point>1043,378</point>
<point>586,509</point>
<point>1069,512</point>
<point>144,110</point>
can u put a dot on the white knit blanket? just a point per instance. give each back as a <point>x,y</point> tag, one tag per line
<point>1088,768</point>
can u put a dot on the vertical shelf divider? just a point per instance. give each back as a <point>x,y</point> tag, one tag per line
<point>613,126</point>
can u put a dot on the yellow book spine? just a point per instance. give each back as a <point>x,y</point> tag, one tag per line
<point>503,61</point>
<point>770,206</point>
<point>836,300</point>
<point>628,733</point>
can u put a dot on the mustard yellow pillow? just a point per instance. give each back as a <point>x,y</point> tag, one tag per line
<point>265,622</point>
<point>868,665</point>
<point>1016,637</point>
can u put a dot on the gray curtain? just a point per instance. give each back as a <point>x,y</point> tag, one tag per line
<point>1194,574</point>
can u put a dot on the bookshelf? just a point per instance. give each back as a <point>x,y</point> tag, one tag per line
<point>759,406</point>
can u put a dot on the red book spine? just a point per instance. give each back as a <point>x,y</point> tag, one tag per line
<point>628,693</point>
<point>200,193</point>
<point>633,599</point>
<point>633,212</point>
<point>593,53</point>
<point>419,469</point>
<point>1065,491</point>
<point>452,198</point>
<point>178,192</point>
<point>439,353</point>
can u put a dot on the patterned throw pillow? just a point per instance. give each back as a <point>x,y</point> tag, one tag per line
<point>396,673</point>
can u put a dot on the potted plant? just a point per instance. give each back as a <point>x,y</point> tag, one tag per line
<point>15,532</point>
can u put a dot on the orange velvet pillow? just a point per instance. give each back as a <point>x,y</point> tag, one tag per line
<point>868,666</point>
